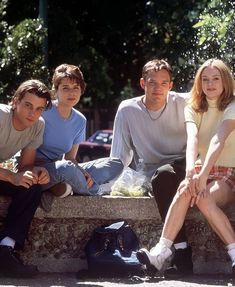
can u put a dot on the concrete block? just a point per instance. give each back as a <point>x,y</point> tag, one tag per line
<point>57,239</point>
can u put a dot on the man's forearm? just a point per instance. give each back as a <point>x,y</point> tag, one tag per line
<point>5,174</point>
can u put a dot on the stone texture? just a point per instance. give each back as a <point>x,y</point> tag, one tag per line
<point>57,239</point>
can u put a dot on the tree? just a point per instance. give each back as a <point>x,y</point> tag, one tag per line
<point>167,33</point>
<point>3,31</point>
<point>215,35</point>
<point>216,31</point>
<point>111,43</point>
<point>21,54</point>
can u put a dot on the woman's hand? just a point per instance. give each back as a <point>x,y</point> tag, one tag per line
<point>183,187</point>
<point>201,185</point>
<point>41,174</point>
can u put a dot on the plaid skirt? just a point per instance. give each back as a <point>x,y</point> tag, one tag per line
<point>227,174</point>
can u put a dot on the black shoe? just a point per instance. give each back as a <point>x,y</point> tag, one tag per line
<point>143,259</point>
<point>149,259</point>
<point>233,271</point>
<point>181,264</point>
<point>12,266</point>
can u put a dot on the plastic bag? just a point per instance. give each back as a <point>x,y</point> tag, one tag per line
<point>131,183</point>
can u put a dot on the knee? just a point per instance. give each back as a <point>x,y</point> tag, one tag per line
<point>63,164</point>
<point>163,173</point>
<point>35,192</point>
<point>64,167</point>
<point>119,166</point>
<point>182,199</point>
<point>164,184</point>
<point>205,204</point>
<point>59,168</point>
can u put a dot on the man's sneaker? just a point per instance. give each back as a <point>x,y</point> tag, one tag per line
<point>12,266</point>
<point>159,257</point>
<point>61,189</point>
<point>181,264</point>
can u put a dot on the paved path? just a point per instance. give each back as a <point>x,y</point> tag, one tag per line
<point>70,280</point>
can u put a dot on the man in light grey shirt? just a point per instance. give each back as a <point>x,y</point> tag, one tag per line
<point>151,127</point>
<point>21,129</point>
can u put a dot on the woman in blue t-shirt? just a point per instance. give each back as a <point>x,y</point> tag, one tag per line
<point>65,129</point>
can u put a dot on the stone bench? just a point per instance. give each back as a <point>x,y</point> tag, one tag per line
<point>57,239</point>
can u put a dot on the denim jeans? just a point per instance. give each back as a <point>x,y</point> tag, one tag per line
<point>101,171</point>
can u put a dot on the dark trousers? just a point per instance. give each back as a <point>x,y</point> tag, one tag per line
<point>165,182</point>
<point>20,212</point>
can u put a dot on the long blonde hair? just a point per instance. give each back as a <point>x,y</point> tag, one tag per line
<point>198,98</point>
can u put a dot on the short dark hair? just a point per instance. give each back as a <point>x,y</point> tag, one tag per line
<point>35,87</point>
<point>156,65</point>
<point>68,71</point>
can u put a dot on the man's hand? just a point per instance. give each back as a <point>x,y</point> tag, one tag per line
<point>23,178</point>
<point>38,175</point>
<point>41,174</point>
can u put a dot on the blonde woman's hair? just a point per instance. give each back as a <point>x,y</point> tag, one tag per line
<point>198,98</point>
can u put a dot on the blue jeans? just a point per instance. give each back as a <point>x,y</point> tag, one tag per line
<point>101,171</point>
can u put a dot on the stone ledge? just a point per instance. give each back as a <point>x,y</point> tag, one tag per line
<point>57,239</point>
<point>102,207</point>
<point>105,207</point>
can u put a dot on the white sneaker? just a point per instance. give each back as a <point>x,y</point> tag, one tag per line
<point>61,190</point>
<point>159,256</point>
<point>68,191</point>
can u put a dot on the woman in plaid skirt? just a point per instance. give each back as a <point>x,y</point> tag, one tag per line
<point>210,162</point>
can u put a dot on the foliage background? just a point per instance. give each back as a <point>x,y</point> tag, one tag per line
<point>111,41</point>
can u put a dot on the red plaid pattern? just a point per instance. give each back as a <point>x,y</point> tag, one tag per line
<point>227,174</point>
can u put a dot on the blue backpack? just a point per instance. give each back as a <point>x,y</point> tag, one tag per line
<point>111,251</point>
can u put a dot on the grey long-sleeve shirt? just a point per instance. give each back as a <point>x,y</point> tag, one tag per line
<point>156,137</point>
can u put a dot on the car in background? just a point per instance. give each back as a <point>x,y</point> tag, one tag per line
<point>96,146</point>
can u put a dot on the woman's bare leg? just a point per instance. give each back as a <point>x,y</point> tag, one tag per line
<point>219,194</point>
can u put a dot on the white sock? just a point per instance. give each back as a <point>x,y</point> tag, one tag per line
<point>231,252</point>
<point>231,246</point>
<point>166,242</point>
<point>181,245</point>
<point>8,241</point>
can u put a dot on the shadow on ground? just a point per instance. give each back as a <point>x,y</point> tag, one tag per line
<point>72,280</point>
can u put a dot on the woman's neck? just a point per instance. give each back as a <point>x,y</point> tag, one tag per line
<point>64,111</point>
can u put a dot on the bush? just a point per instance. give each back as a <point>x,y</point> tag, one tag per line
<point>22,56</point>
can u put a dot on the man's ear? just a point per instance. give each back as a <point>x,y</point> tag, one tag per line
<point>142,83</point>
<point>13,103</point>
<point>171,85</point>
